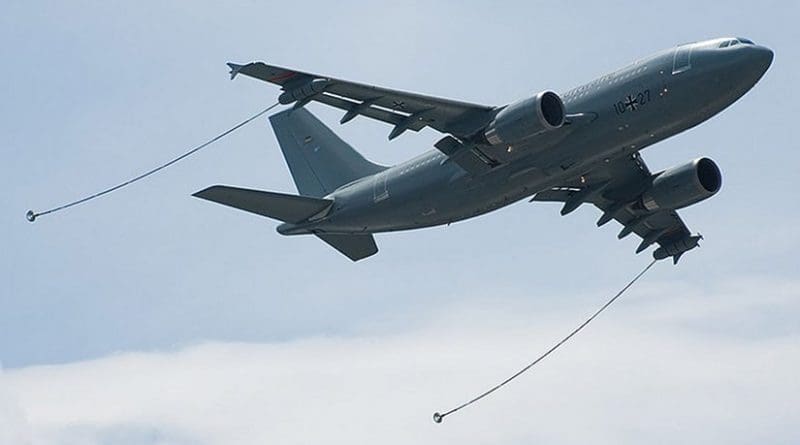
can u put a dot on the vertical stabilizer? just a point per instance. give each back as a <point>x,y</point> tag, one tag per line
<point>318,159</point>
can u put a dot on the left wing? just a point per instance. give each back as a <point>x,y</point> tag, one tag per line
<point>615,188</point>
<point>406,111</point>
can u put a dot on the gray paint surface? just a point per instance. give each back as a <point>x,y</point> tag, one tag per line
<point>593,156</point>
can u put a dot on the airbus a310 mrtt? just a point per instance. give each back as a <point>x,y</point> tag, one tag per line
<point>581,146</point>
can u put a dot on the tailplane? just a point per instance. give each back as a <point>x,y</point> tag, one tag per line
<point>318,159</point>
<point>291,209</point>
<point>355,247</point>
<point>287,208</point>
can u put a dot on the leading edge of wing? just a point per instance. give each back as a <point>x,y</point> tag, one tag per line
<point>281,76</point>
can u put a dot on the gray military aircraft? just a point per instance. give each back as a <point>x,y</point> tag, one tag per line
<point>581,146</point>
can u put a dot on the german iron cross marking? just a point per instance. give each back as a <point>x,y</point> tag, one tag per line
<point>631,103</point>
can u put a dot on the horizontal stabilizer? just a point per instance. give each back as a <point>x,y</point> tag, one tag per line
<point>355,247</point>
<point>280,206</point>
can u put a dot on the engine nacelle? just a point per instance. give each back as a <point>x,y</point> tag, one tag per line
<point>525,118</point>
<point>683,185</point>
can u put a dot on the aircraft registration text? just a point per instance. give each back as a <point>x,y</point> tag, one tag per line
<point>632,102</point>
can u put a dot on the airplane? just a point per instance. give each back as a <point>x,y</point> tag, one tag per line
<point>580,146</point>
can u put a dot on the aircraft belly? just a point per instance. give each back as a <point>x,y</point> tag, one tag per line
<point>462,200</point>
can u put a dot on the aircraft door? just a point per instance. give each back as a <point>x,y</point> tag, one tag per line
<point>379,187</point>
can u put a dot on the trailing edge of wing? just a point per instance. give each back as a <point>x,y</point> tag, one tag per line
<point>403,110</point>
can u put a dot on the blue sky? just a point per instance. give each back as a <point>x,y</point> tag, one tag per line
<point>152,279</point>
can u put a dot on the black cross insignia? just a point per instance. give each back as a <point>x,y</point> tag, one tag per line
<point>631,102</point>
<point>398,105</point>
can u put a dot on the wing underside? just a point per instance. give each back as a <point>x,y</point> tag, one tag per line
<point>463,123</point>
<point>403,110</point>
<point>615,189</point>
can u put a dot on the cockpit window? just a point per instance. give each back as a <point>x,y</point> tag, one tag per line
<point>736,41</point>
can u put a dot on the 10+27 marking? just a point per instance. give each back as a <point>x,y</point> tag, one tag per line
<point>632,102</point>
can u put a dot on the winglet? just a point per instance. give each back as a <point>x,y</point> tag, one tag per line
<point>234,69</point>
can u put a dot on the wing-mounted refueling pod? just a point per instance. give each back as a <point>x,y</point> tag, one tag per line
<point>677,248</point>
<point>303,93</point>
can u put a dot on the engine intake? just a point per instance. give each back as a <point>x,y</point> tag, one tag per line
<point>683,185</point>
<point>525,118</point>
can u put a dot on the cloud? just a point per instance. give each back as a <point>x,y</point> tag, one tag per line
<point>665,365</point>
<point>13,424</point>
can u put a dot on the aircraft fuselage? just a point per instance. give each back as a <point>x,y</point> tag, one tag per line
<point>613,116</point>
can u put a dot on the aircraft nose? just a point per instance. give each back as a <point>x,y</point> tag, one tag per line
<point>762,57</point>
<point>748,63</point>
<point>757,61</point>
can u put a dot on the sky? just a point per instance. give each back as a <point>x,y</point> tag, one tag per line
<point>151,317</point>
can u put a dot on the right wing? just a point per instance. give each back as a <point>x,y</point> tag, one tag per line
<point>406,111</point>
<point>614,188</point>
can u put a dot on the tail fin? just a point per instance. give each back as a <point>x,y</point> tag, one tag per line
<point>318,159</point>
<point>286,208</point>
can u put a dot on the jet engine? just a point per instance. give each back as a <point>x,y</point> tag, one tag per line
<point>683,185</point>
<point>526,118</point>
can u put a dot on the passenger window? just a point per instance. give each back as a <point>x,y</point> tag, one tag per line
<point>734,42</point>
<point>725,44</point>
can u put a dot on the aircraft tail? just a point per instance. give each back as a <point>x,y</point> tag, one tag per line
<point>291,209</point>
<point>318,159</point>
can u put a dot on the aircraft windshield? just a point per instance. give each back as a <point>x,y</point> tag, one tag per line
<point>736,41</point>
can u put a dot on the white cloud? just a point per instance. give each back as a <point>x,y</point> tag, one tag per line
<point>13,424</point>
<point>647,371</point>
